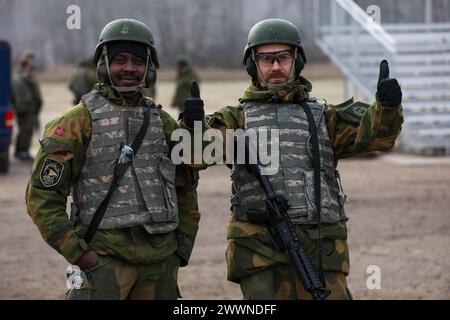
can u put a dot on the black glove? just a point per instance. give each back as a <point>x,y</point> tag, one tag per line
<point>193,107</point>
<point>389,93</point>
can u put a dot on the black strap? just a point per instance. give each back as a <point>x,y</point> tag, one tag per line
<point>118,174</point>
<point>317,185</point>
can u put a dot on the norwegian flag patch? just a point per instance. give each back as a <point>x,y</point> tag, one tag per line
<point>59,131</point>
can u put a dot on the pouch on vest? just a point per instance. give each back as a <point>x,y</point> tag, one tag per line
<point>167,177</point>
<point>330,208</point>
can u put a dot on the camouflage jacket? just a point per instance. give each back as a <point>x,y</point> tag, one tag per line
<point>65,140</point>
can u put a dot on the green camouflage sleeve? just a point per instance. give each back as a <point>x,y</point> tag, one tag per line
<point>223,119</point>
<point>169,125</point>
<point>227,118</point>
<point>357,128</point>
<point>56,166</point>
<point>189,216</point>
<point>186,186</point>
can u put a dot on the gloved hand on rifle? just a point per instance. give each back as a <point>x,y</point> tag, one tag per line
<point>193,109</point>
<point>389,93</point>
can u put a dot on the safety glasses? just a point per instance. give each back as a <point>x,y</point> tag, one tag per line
<point>266,59</point>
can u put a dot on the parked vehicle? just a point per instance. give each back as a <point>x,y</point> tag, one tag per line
<point>6,112</point>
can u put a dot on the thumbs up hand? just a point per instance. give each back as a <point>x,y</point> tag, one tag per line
<point>389,93</point>
<point>193,109</point>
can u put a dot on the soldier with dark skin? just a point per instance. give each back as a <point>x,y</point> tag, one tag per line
<point>27,104</point>
<point>150,224</point>
<point>185,77</point>
<point>274,58</point>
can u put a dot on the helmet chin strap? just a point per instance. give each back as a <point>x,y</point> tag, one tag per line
<point>134,89</point>
<point>275,86</point>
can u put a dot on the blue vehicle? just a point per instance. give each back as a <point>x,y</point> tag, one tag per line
<point>6,112</point>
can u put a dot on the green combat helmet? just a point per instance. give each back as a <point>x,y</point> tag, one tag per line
<point>273,31</point>
<point>126,30</point>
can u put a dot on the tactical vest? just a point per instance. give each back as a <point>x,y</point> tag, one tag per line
<point>295,177</point>
<point>146,194</point>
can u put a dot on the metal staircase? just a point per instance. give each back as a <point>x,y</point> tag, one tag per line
<point>418,55</point>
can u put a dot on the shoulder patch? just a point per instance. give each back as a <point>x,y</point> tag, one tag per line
<point>59,131</point>
<point>352,112</point>
<point>51,173</point>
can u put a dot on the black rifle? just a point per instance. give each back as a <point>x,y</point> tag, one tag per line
<point>283,232</point>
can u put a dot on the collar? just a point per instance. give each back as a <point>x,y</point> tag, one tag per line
<point>113,95</point>
<point>297,91</point>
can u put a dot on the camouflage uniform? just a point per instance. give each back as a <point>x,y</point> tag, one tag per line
<point>27,103</point>
<point>264,273</point>
<point>344,130</point>
<point>83,80</point>
<point>136,263</point>
<point>183,84</point>
<point>151,221</point>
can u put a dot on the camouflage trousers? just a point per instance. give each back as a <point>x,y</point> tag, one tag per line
<point>265,273</point>
<point>112,279</point>
<point>283,283</point>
